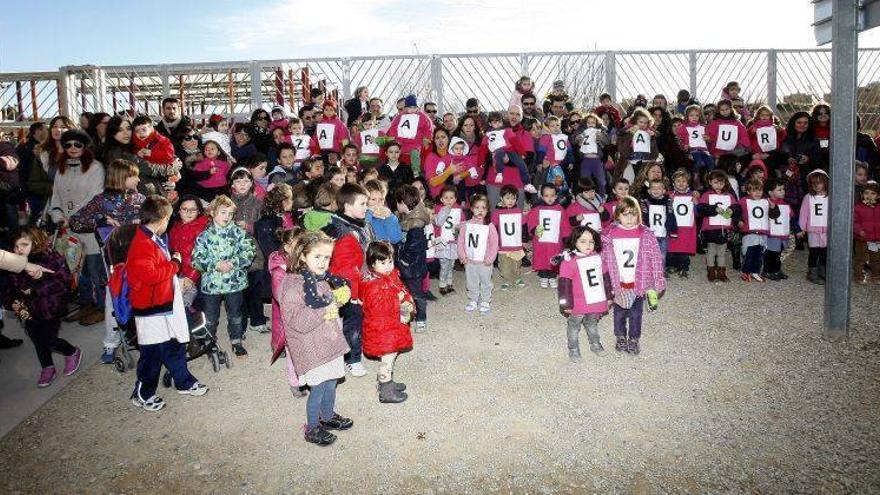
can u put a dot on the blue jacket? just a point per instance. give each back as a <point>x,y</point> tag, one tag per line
<point>385,229</point>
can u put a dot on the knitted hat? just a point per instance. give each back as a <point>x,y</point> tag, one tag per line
<point>77,135</point>
<point>558,85</point>
<point>410,101</point>
<point>215,119</point>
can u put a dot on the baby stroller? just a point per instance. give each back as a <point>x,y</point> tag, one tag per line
<point>114,250</point>
<point>201,343</point>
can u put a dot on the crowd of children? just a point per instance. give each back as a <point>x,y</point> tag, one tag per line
<point>341,227</point>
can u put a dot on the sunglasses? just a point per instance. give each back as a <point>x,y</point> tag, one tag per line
<point>192,137</point>
<point>430,111</point>
<point>73,144</point>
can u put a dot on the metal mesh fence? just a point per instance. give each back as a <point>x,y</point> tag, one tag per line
<point>791,80</point>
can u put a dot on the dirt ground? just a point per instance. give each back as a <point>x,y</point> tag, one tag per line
<point>735,391</point>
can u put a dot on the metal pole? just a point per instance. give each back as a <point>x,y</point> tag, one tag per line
<point>692,66</point>
<point>771,79</point>
<point>844,61</point>
<point>611,76</point>
<point>346,79</point>
<point>256,86</point>
<point>437,82</point>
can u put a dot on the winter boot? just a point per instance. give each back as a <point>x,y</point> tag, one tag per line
<point>388,393</point>
<point>633,347</point>
<point>711,273</point>
<point>721,274</point>
<point>620,345</point>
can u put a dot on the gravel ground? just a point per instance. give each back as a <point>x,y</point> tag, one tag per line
<point>735,391</point>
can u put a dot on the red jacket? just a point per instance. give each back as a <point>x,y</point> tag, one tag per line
<point>753,135</point>
<point>383,332</point>
<point>150,276</point>
<point>182,239</point>
<point>866,222</point>
<point>161,149</point>
<point>340,134</point>
<point>347,260</point>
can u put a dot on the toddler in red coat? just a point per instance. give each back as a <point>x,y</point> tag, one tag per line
<point>388,309</point>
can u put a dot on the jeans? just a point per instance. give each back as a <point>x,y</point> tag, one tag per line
<point>513,158</point>
<point>590,324</point>
<point>752,259</point>
<point>253,300</point>
<point>703,160</point>
<point>593,167</point>
<point>93,281</point>
<point>352,324</point>
<point>234,306</point>
<point>414,286</point>
<point>172,354</point>
<point>321,402</point>
<point>633,316</point>
<point>44,335</point>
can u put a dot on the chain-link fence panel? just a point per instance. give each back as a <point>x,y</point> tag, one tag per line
<point>28,97</point>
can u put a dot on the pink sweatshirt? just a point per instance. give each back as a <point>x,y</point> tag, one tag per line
<point>649,261</point>
<point>491,247</point>
<point>339,134</point>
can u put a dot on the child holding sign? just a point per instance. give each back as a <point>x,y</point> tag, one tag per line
<point>814,222</point>
<point>584,287</point>
<point>545,224</point>
<point>766,137</point>
<point>477,248</point>
<point>632,257</point>
<point>692,135</point>
<point>303,144</point>
<point>780,228</point>
<point>586,208</point>
<point>717,206</point>
<point>413,130</point>
<point>592,141</point>
<point>684,245</point>
<point>638,143</point>
<point>726,133</point>
<point>866,229</point>
<point>447,217</point>
<point>509,220</point>
<point>331,133</point>
<point>754,224</point>
<point>505,148</point>
<point>658,215</point>
<point>557,152</point>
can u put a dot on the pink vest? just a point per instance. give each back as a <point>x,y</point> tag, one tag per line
<point>586,273</point>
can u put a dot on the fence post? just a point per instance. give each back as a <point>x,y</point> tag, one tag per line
<point>771,79</point>
<point>256,86</point>
<point>437,83</point>
<point>166,82</point>
<point>346,79</point>
<point>611,75</point>
<point>524,64</point>
<point>66,93</point>
<point>692,64</point>
<point>99,88</point>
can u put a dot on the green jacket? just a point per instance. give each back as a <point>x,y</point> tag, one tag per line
<point>216,244</point>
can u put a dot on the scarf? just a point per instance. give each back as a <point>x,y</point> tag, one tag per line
<point>312,297</point>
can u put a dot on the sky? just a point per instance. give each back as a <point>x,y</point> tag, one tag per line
<point>103,32</point>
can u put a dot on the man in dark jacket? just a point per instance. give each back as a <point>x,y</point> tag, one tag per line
<point>173,122</point>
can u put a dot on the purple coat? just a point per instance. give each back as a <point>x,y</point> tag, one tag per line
<point>46,297</point>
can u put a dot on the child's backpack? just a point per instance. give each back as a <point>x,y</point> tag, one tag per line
<point>119,291</point>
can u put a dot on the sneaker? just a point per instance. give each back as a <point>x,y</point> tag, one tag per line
<point>152,404</point>
<point>633,347</point>
<point>337,422</point>
<point>239,350</point>
<point>421,326</point>
<point>71,363</point>
<point>260,328</point>
<point>669,271</point>
<point>620,345</point>
<point>450,289</point>
<point>298,392</point>
<point>529,188</point>
<point>443,291</point>
<point>757,278</point>
<point>471,307</point>
<point>682,274</point>
<point>545,283</point>
<point>553,283</point>
<point>782,275</point>
<point>596,347</point>
<point>745,277</point>
<point>772,276</point>
<point>356,369</point>
<point>574,355</point>
<point>47,376</point>
<point>505,286</point>
<point>519,283</point>
<point>319,436</point>
<point>485,308</point>
<point>197,390</point>
<point>108,355</point>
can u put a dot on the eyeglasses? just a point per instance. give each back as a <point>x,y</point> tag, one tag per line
<point>73,144</point>
<point>430,111</point>
<point>189,210</point>
<point>192,137</point>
